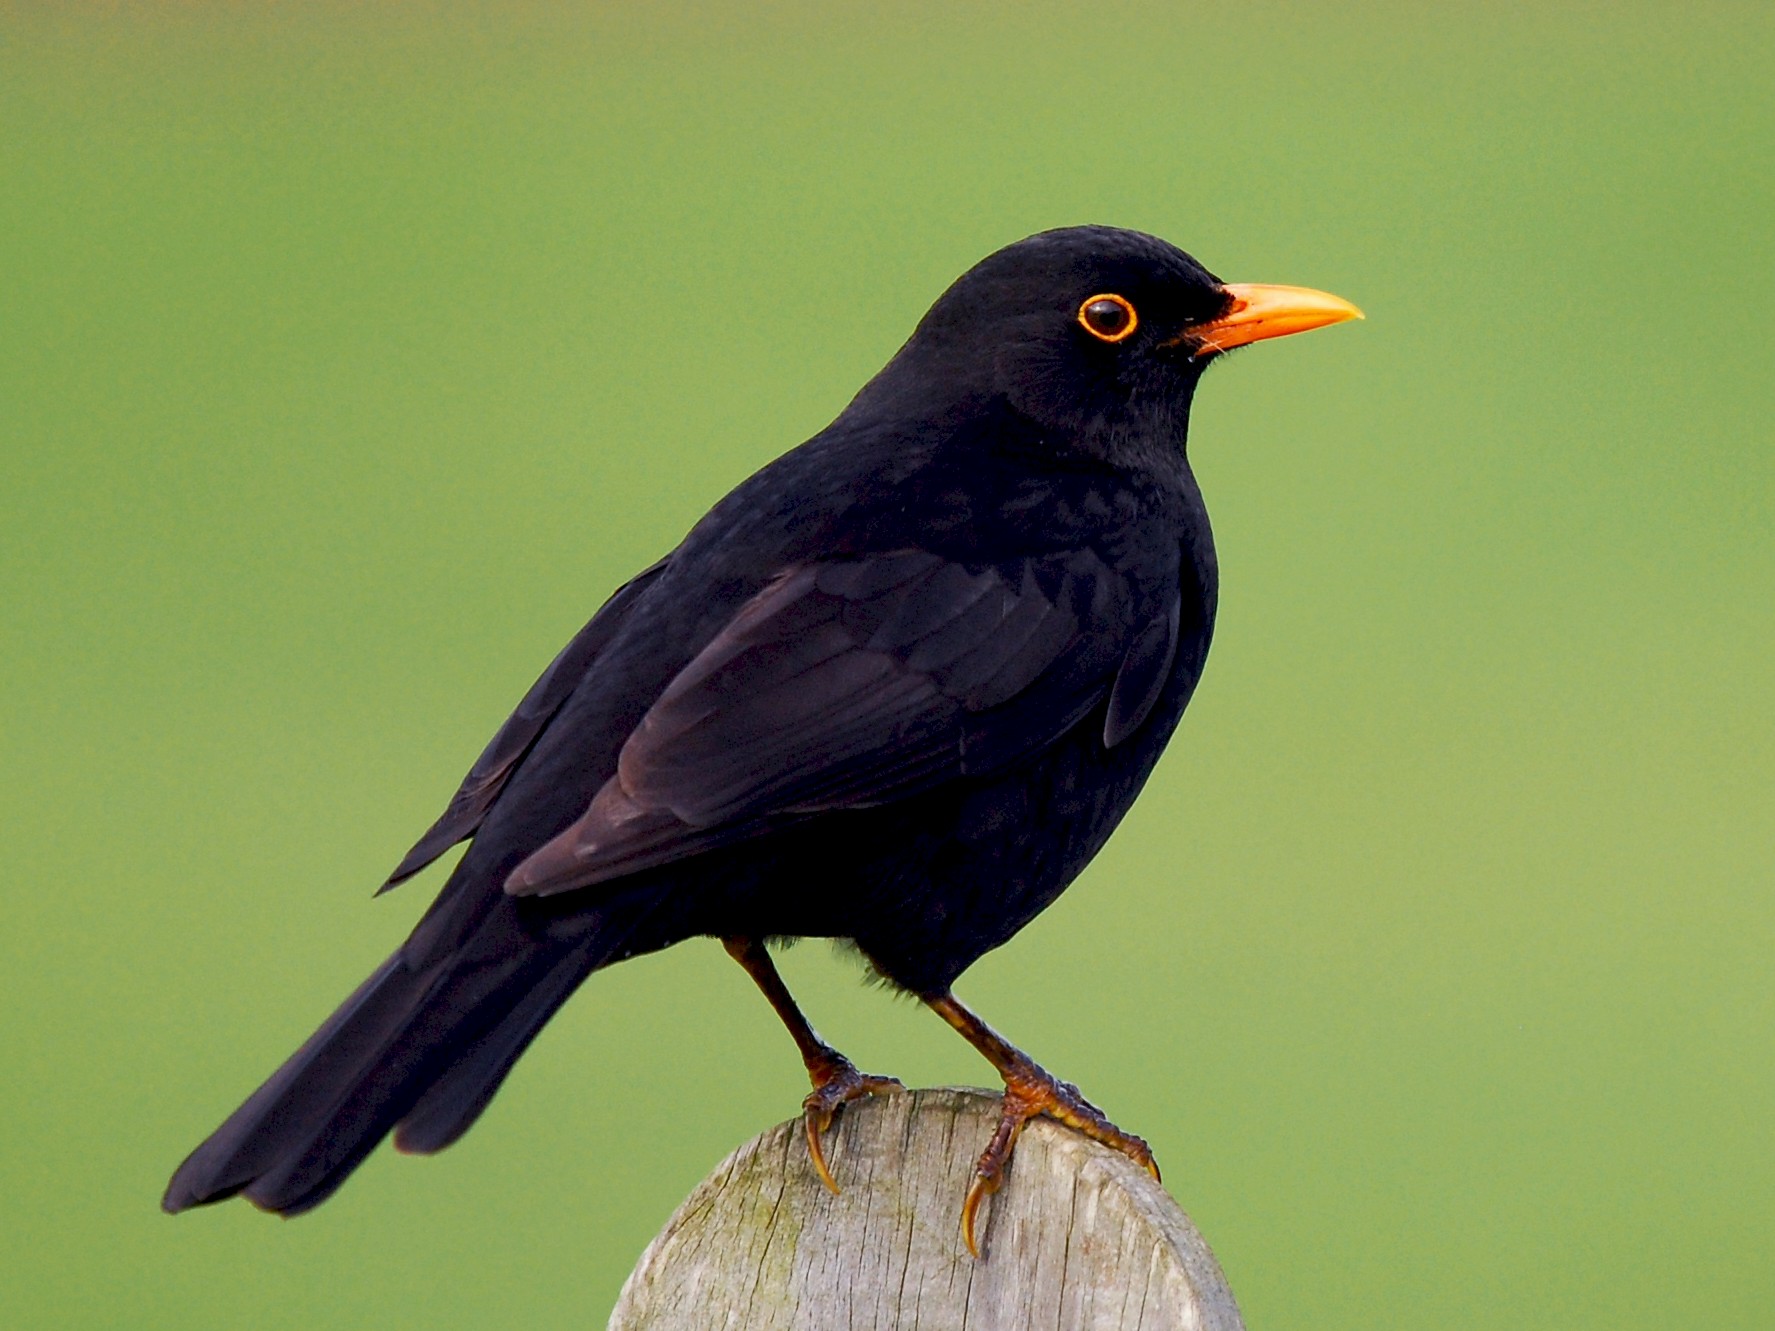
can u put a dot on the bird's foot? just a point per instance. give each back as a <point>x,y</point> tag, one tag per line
<point>1031,1091</point>
<point>836,1083</point>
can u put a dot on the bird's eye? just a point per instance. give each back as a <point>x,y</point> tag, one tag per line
<point>1109,317</point>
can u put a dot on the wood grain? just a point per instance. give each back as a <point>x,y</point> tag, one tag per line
<point>1079,1237</point>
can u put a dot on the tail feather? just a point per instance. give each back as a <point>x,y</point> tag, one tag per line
<point>242,1148</point>
<point>428,1042</point>
<point>451,1104</point>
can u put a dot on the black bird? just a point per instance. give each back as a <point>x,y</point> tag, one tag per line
<point>897,688</point>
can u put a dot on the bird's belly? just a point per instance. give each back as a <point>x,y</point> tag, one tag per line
<point>927,885</point>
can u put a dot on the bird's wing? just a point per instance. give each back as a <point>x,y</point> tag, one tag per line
<point>481,787</point>
<point>849,683</point>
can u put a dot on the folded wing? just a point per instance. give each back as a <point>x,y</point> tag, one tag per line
<point>848,683</point>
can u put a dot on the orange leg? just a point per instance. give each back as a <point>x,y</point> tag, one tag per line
<point>1030,1091</point>
<point>835,1078</point>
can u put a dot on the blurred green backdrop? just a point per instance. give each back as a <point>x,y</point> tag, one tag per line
<point>347,360</point>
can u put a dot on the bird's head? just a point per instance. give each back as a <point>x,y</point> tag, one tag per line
<point>1096,334</point>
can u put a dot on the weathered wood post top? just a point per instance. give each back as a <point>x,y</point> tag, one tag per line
<point>1079,1239</point>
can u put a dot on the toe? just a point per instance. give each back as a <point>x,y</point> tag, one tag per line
<point>841,1084</point>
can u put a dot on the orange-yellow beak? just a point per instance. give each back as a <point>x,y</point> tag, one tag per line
<point>1260,310</point>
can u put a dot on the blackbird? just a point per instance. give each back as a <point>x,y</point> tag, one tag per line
<point>896,689</point>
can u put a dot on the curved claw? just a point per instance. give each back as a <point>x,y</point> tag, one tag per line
<point>978,1191</point>
<point>817,1123</point>
<point>822,1106</point>
<point>1031,1093</point>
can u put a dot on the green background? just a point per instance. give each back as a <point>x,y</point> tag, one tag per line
<point>348,358</point>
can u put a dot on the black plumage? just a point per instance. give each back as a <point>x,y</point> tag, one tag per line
<point>897,688</point>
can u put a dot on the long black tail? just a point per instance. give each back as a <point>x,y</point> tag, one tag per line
<point>419,1049</point>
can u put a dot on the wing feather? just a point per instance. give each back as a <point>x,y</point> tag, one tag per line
<point>850,683</point>
<point>1142,678</point>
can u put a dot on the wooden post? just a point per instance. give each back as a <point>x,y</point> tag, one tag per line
<point>1079,1237</point>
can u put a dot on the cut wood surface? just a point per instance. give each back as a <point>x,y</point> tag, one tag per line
<point>1079,1237</point>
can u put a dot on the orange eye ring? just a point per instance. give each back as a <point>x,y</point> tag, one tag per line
<point>1109,317</point>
